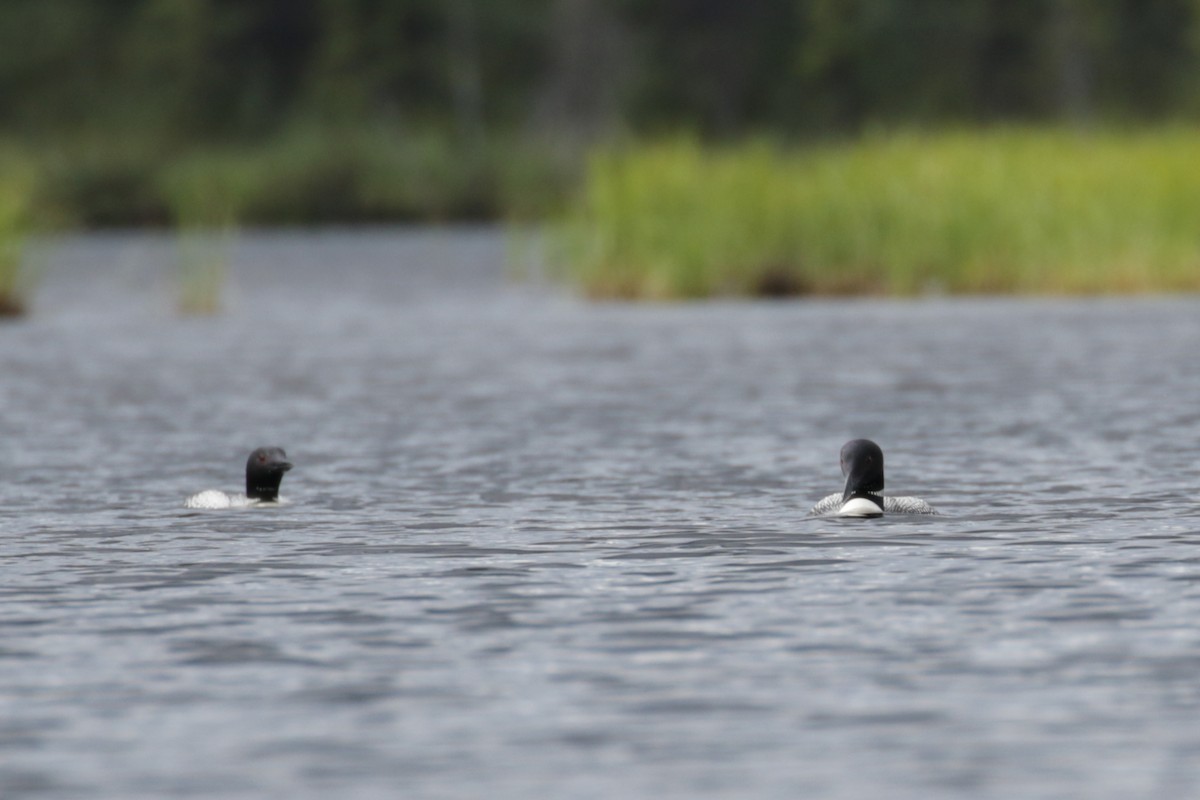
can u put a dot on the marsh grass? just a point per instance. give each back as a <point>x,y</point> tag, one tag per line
<point>16,187</point>
<point>205,206</point>
<point>1003,211</point>
<point>203,268</point>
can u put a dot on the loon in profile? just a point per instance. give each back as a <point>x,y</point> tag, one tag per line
<point>264,471</point>
<point>862,464</point>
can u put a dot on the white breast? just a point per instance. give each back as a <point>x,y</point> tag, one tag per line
<point>859,507</point>
<point>212,498</point>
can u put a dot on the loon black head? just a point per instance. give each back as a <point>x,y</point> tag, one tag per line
<point>264,471</point>
<point>862,464</point>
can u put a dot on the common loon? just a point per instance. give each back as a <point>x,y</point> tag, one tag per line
<point>862,464</point>
<point>264,471</point>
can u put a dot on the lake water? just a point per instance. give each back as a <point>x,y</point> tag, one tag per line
<point>536,547</point>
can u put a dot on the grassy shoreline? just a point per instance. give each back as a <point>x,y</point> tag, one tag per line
<point>996,211</point>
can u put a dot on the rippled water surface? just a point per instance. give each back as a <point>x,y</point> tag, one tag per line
<point>540,548</point>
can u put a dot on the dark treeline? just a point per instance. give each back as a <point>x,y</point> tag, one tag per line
<point>161,78</point>
<point>242,68</point>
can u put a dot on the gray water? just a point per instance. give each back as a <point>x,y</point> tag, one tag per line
<point>536,547</point>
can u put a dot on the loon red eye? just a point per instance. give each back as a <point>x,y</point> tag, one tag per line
<point>262,458</point>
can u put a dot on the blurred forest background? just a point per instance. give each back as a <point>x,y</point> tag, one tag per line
<point>144,111</point>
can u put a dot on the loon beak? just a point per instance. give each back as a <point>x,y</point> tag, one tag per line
<point>283,466</point>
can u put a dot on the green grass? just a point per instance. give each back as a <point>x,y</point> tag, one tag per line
<point>16,190</point>
<point>998,211</point>
<point>205,204</point>
<point>202,269</point>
